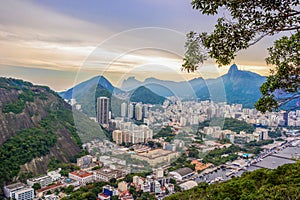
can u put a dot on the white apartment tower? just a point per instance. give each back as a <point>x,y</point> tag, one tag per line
<point>139,111</point>
<point>131,111</point>
<point>123,109</point>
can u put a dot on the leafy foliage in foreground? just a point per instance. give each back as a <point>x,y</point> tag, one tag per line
<point>282,183</point>
<point>248,23</point>
<point>283,85</point>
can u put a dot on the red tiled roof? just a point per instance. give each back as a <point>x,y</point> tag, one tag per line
<point>50,187</point>
<point>103,195</point>
<point>82,174</point>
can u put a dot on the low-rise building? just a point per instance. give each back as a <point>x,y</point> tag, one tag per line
<point>122,186</point>
<point>199,166</point>
<point>105,174</point>
<point>85,161</point>
<point>156,156</point>
<point>182,173</point>
<point>108,192</point>
<point>44,181</point>
<point>82,177</point>
<point>18,191</point>
<point>188,185</point>
<point>55,175</point>
<point>41,192</point>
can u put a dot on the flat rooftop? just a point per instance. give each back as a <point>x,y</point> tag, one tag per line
<point>15,186</point>
<point>271,162</point>
<point>289,152</point>
<point>152,154</point>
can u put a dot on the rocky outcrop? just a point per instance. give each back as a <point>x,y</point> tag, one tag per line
<point>40,101</point>
<point>64,149</point>
<point>31,115</point>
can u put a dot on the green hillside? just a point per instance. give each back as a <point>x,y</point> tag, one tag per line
<point>89,99</point>
<point>282,183</point>
<point>34,142</point>
<point>37,123</point>
<point>146,96</point>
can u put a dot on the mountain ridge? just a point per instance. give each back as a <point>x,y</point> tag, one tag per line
<point>236,86</point>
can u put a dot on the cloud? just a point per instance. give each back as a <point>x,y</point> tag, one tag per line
<point>40,38</point>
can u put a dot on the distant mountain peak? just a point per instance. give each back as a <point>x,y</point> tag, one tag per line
<point>233,69</point>
<point>146,96</point>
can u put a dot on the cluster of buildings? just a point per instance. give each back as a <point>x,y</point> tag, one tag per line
<point>157,184</point>
<point>104,171</point>
<point>21,191</point>
<point>187,113</point>
<point>180,114</point>
<point>134,110</point>
<point>132,133</point>
<point>236,138</point>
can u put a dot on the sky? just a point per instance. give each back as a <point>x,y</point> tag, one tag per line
<point>60,43</point>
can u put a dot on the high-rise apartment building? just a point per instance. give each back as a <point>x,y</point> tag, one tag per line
<point>136,134</point>
<point>103,110</point>
<point>131,110</point>
<point>139,111</point>
<point>123,109</point>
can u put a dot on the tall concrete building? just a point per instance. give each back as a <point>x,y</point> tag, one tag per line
<point>139,111</point>
<point>131,110</point>
<point>103,110</point>
<point>145,111</point>
<point>286,118</point>
<point>123,109</point>
<point>117,136</point>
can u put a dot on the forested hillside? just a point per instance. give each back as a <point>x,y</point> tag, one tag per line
<point>37,125</point>
<point>282,183</point>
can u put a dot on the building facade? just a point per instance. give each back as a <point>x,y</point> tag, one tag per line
<point>82,177</point>
<point>18,191</point>
<point>42,180</point>
<point>103,110</point>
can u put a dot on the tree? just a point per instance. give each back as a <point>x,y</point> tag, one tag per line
<point>36,186</point>
<point>133,191</point>
<point>151,144</point>
<point>112,181</point>
<point>69,189</point>
<point>249,22</point>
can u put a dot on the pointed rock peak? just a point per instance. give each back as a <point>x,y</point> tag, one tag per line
<point>233,68</point>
